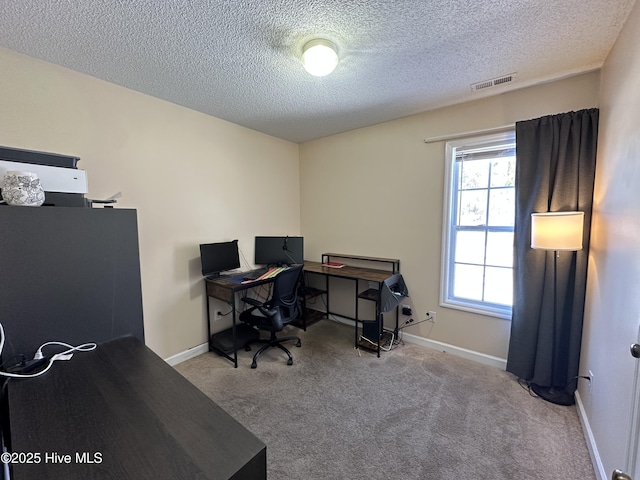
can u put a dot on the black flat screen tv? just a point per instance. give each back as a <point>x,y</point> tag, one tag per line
<point>279,250</point>
<point>219,257</point>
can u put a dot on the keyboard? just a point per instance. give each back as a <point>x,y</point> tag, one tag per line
<point>254,274</point>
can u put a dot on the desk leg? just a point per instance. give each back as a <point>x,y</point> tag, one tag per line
<point>233,332</point>
<point>356,314</point>
<point>396,332</point>
<point>379,322</point>
<point>212,348</point>
<point>206,296</point>
<point>326,289</point>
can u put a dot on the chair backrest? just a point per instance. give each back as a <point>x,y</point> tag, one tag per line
<point>285,293</point>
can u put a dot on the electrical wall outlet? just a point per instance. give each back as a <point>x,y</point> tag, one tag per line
<point>217,316</point>
<point>431,316</point>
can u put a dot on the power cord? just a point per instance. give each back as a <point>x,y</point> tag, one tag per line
<point>248,267</point>
<point>40,359</point>
<point>384,349</point>
<point>410,322</point>
<point>85,347</point>
<point>526,384</point>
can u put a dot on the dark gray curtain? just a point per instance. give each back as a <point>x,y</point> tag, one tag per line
<point>555,170</point>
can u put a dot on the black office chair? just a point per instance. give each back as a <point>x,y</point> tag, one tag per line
<point>276,313</point>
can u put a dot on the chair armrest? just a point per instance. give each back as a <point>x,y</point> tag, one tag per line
<point>253,301</point>
<point>262,307</point>
<point>269,312</point>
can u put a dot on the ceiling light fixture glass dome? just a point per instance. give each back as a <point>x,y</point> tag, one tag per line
<point>319,57</point>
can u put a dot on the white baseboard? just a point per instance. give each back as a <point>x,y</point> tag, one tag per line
<point>187,354</point>
<point>590,439</point>
<point>483,358</point>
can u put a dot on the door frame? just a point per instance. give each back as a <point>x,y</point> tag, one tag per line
<point>633,446</point>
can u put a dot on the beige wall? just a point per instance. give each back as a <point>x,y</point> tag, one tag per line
<point>612,315</point>
<point>378,191</point>
<point>373,191</point>
<point>192,178</point>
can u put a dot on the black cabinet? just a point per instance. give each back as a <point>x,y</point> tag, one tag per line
<point>68,274</point>
<point>120,411</point>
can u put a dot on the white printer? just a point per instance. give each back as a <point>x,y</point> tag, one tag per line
<point>64,184</point>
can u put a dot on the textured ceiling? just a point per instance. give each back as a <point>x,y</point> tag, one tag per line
<point>240,59</point>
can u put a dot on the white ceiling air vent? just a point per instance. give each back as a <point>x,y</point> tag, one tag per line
<point>494,82</point>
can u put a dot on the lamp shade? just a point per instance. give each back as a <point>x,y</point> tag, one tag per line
<point>557,230</point>
<point>319,57</point>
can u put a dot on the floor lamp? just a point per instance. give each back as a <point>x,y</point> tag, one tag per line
<point>557,231</point>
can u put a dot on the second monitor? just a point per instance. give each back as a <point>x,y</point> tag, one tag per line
<point>279,250</point>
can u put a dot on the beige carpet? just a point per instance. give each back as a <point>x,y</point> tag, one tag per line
<point>414,413</point>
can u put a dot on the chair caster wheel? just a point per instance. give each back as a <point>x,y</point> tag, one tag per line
<point>290,362</point>
<point>254,365</point>
<point>299,344</point>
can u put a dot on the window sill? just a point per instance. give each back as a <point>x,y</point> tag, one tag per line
<point>486,311</point>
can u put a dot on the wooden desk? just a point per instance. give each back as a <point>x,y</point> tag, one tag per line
<point>357,274</point>
<point>225,288</point>
<point>126,410</point>
<point>348,272</point>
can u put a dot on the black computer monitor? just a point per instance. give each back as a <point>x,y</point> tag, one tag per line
<point>279,250</point>
<point>219,257</point>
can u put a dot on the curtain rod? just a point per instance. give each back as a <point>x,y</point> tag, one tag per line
<point>455,136</point>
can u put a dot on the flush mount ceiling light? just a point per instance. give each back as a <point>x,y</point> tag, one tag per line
<point>319,57</point>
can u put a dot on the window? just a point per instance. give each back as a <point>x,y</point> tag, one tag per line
<point>477,263</point>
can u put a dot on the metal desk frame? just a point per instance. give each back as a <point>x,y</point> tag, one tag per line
<point>225,288</point>
<point>357,274</point>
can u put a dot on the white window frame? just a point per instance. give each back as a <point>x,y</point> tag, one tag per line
<point>447,298</point>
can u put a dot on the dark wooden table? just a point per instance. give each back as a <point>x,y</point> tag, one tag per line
<point>121,412</point>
